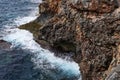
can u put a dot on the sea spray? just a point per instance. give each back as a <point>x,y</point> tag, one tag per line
<point>18,12</point>
<point>42,58</point>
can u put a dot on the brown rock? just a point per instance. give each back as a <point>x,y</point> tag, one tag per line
<point>89,28</point>
<point>93,41</point>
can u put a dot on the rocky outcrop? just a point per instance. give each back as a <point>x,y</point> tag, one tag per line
<point>89,28</point>
<point>4,45</point>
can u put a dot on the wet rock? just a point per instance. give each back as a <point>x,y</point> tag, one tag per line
<point>4,45</point>
<point>33,27</point>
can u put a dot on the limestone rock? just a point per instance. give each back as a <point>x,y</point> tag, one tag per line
<point>89,28</point>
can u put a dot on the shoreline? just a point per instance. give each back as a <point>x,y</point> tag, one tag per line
<point>91,32</point>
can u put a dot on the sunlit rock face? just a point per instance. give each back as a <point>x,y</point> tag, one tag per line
<point>89,28</point>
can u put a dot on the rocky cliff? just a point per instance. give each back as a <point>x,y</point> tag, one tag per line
<point>88,28</point>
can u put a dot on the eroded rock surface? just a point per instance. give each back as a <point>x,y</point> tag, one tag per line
<point>89,28</point>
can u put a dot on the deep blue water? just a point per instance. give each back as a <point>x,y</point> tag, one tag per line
<point>26,60</point>
<point>12,9</point>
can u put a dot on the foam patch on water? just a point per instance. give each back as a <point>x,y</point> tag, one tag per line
<point>20,20</point>
<point>42,58</point>
<point>23,20</point>
<point>36,1</point>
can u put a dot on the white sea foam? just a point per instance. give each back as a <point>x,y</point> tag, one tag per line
<point>20,20</point>
<point>36,1</point>
<point>23,20</point>
<point>42,58</point>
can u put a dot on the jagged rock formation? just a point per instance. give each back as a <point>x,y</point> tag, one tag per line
<point>89,28</point>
